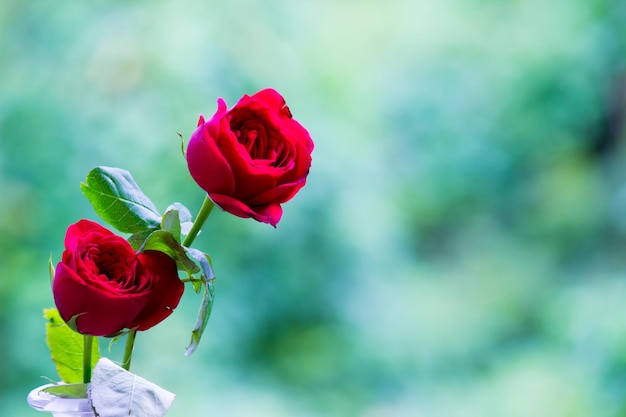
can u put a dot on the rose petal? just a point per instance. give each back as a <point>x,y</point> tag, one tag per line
<point>98,313</point>
<point>165,290</point>
<point>76,231</point>
<point>205,160</point>
<point>280,194</point>
<point>274,101</point>
<point>249,179</point>
<point>264,214</point>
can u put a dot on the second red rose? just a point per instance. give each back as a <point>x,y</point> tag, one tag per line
<point>102,286</point>
<point>252,158</point>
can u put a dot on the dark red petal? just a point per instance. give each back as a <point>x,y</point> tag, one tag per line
<point>232,205</point>
<point>98,313</point>
<point>76,232</point>
<point>298,134</point>
<point>165,289</point>
<point>249,179</point>
<point>269,213</point>
<point>205,161</point>
<point>280,194</point>
<point>301,166</point>
<point>274,101</point>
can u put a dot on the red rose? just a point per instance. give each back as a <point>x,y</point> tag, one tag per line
<point>107,287</point>
<point>252,158</point>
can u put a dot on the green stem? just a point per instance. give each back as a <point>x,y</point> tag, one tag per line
<point>128,350</point>
<point>87,349</point>
<point>203,214</point>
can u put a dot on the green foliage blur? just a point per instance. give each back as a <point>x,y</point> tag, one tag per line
<point>459,249</point>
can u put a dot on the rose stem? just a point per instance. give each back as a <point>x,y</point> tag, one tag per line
<point>128,350</point>
<point>87,348</point>
<point>203,214</point>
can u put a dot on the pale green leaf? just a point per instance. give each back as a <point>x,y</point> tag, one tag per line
<point>73,391</point>
<point>208,295</point>
<point>184,216</point>
<point>66,348</point>
<point>171,223</point>
<point>165,242</point>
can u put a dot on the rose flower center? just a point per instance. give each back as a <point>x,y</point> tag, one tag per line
<point>112,269</point>
<point>264,145</point>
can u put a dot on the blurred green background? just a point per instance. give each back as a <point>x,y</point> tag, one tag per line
<point>459,249</point>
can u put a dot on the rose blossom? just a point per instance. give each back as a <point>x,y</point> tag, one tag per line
<point>252,158</point>
<point>106,287</point>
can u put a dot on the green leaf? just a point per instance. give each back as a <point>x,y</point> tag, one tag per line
<point>207,279</point>
<point>177,220</point>
<point>183,212</point>
<point>117,198</point>
<point>165,242</point>
<point>73,391</point>
<point>66,348</point>
<point>116,392</point>
<point>171,223</point>
<point>186,220</point>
